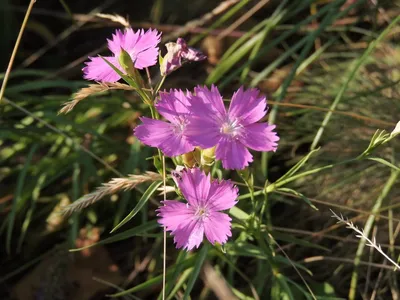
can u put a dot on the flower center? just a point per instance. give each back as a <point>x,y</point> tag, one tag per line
<point>231,128</point>
<point>180,126</point>
<point>201,213</point>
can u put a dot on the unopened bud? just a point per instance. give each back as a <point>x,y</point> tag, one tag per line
<point>126,62</point>
<point>191,159</point>
<point>208,156</point>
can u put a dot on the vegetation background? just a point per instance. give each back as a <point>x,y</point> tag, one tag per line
<point>331,71</point>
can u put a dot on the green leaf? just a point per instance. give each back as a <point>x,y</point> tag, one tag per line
<point>143,200</point>
<point>384,162</point>
<point>297,166</point>
<point>306,200</point>
<point>245,249</point>
<point>196,270</point>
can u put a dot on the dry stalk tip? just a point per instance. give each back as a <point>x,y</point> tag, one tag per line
<point>92,89</point>
<point>113,186</point>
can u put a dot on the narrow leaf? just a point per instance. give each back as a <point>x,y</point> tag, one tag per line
<point>149,192</point>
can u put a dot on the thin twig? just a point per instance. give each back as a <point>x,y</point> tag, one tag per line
<point>16,46</point>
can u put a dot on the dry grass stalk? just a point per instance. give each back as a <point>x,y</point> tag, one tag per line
<point>115,18</point>
<point>91,90</point>
<point>113,186</point>
<point>361,234</point>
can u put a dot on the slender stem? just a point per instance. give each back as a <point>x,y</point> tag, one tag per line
<point>14,53</point>
<point>165,232</point>
<point>150,82</point>
<point>160,84</point>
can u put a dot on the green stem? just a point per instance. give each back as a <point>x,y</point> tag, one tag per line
<point>159,85</point>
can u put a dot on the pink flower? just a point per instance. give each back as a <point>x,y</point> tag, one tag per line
<point>177,54</point>
<point>189,222</point>
<point>140,45</point>
<point>231,132</point>
<point>170,136</point>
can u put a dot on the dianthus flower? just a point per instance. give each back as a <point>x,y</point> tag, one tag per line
<point>169,137</point>
<point>177,54</point>
<point>232,131</point>
<point>141,47</point>
<point>201,215</point>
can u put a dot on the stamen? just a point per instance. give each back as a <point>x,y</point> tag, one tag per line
<point>201,212</point>
<point>231,128</point>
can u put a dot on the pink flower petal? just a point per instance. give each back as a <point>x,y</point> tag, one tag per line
<point>141,46</point>
<point>247,106</point>
<point>97,69</point>
<point>260,137</point>
<point>179,218</point>
<point>119,40</point>
<point>203,128</point>
<point>202,133</point>
<point>213,98</point>
<point>173,213</point>
<point>223,195</point>
<point>195,186</point>
<point>217,227</point>
<point>163,135</point>
<point>146,58</point>
<point>233,154</point>
<point>189,235</point>
<point>149,39</point>
<point>173,105</point>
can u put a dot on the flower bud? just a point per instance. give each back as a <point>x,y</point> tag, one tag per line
<point>191,159</point>
<point>208,156</point>
<point>126,62</point>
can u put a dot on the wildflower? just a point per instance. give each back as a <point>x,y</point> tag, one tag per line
<point>170,136</point>
<point>140,45</point>
<point>232,131</point>
<point>189,222</point>
<point>177,54</point>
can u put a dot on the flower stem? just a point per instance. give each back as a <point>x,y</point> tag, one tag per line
<point>165,232</point>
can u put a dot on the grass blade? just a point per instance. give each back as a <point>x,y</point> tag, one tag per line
<point>17,197</point>
<point>196,270</point>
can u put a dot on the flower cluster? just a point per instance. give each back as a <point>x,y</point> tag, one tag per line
<point>201,120</point>
<point>193,121</point>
